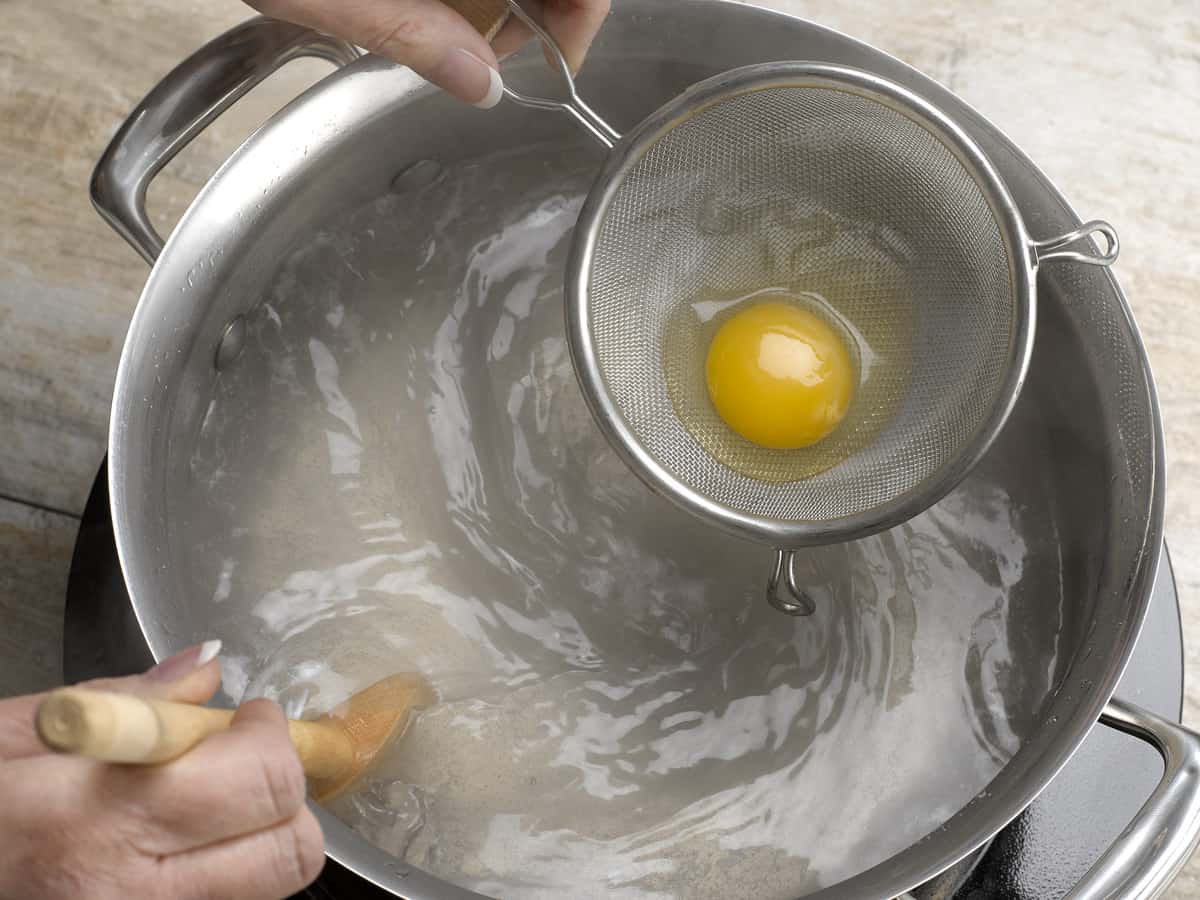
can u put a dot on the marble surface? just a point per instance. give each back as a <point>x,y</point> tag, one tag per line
<point>1105,98</point>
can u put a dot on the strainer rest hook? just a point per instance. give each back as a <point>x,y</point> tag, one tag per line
<point>1056,247</point>
<point>783,590</point>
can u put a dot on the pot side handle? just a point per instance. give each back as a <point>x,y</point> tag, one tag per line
<point>183,104</point>
<point>1152,849</point>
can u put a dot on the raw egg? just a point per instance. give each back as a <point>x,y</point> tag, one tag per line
<point>779,375</point>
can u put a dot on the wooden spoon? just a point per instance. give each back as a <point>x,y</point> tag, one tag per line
<point>336,749</point>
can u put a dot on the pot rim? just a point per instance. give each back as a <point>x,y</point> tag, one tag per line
<point>975,823</point>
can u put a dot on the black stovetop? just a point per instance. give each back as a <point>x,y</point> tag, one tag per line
<point>1042,854</point>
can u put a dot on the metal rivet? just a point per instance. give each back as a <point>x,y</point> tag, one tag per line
<point>420,174</point>
<point>233,342</point>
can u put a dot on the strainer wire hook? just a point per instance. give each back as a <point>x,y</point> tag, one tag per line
<point>783,590</point>
<point>584,114</point>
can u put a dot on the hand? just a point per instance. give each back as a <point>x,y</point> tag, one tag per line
<point>227,819</point>
<point>436,42</point>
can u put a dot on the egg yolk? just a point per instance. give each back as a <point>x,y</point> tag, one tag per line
<point>779,376</point>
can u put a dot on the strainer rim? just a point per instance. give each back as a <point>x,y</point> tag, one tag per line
<point>787,533</point>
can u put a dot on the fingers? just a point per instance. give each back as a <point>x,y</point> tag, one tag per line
<point>18,738</point>
<point>233,783</point>
<point>425,35</point>
<point>436,42</point>
<point>272,863</point>
<point>227,819</point>
<point>82,827</point>
<point>191,676</point>
<point>43,851</point>
<point>573,24</point>
<point>511,38</point>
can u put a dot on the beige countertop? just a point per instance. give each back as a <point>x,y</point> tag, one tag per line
<point>1105,98</point>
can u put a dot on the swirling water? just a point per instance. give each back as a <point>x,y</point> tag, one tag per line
<point>400,474</point>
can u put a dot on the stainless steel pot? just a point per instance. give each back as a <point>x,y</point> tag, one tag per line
<point>326,152</point>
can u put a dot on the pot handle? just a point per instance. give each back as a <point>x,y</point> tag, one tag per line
<point>1152,849</point>
<point>183,104</point>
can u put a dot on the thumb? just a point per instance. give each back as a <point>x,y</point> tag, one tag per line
<point>190,676</point>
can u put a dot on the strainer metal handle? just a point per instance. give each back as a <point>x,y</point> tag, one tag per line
<point>1056,247</point>
<point>572,104</point>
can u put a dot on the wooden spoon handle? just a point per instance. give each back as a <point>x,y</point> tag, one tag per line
<point>487,16</point>
<point>122,728</point>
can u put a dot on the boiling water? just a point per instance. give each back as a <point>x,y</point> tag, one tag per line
<point>399,473</point>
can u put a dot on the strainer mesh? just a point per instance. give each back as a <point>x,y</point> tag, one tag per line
<point>831,194</point>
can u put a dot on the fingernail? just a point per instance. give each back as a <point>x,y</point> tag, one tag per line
<point>185,661</point>
<point>469,78</point>
<point>208,652</point>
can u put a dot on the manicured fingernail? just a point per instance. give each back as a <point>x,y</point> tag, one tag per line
<point>469,78</point>
<point>185,661</point>
<point>208,652</point>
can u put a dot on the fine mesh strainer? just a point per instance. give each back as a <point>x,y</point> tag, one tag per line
<point>852,196</point>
